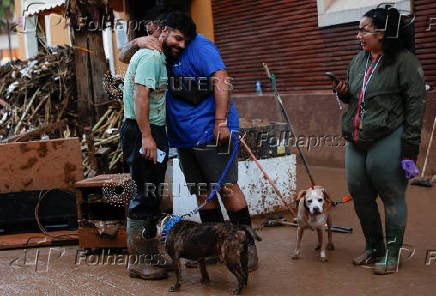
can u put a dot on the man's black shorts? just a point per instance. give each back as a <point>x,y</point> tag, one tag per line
<point>205,164</point>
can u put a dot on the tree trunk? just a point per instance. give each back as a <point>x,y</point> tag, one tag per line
<point>87,20</point>
<point>90,64</point>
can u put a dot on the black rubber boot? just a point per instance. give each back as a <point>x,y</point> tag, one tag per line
<point>372,230</point>
<point>242,217</point>
<point>211,216</point>
<point>143,253</point>
<point>391,261</point>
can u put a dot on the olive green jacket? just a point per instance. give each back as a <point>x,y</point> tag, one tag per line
<point>395,96</point>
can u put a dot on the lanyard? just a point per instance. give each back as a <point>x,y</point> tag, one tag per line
<point>360,109</point>
<point>366,78</point>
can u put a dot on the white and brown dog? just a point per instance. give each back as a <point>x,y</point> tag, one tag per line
<point>312,213</point>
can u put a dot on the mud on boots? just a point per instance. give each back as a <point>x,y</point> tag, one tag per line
<point>144,248</point>
<point>391,261</point>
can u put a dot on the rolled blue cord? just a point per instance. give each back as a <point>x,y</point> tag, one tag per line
<point>170,224</point>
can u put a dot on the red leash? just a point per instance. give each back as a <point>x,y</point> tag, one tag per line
<point>267,177</point>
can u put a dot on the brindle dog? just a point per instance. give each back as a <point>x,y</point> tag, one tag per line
<point>196,241</point>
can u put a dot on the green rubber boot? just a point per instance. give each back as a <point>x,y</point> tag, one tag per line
<point>391,261</point>
<point>369,255</point>
<point>145,253</point>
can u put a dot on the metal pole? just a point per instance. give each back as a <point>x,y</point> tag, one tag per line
<point>9,40</point>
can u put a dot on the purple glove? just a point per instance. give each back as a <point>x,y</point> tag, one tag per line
<point>410,168</point>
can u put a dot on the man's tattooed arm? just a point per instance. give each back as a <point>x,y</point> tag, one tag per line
<point>128,51</point>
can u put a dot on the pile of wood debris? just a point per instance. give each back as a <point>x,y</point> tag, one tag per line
<point>38,101</point>
<point>103,139</point>
<point>37,97</point>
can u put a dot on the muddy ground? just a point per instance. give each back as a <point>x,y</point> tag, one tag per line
<point>277,273</point>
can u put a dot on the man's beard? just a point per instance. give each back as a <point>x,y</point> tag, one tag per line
<point>168,50</point>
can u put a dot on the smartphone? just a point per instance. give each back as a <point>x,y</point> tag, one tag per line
<point>332,77</point>
<point>336,80</point>
<point>160,154</point>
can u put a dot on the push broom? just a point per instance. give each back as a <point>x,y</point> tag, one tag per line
<point>421,181</point>
<point>272,78</point>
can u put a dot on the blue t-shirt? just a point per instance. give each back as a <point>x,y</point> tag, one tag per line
<point>189,125</point>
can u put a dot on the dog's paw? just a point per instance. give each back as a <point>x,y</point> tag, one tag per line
<point>330,246</point>
<point>174,288</point>
<point>237,291</point>
<point>296,256</point>
<point>318,247</point>
<point>191,263</point>
<point>204,280</point>
<point>324,260</point>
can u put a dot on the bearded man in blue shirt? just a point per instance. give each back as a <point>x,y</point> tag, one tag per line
<point>201,118</point>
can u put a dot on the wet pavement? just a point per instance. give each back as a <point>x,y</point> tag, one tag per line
<point>59,271</point>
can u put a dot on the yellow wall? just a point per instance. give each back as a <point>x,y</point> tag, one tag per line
<point>201,13</point>
<point>21,50</point>
<point>120,6</point>
<point>120,68</point>
<point>59,30</point>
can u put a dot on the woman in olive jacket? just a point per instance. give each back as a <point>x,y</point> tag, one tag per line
<point>385,93</point>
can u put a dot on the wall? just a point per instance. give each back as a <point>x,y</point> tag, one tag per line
<point>317,117</point>
<point>58,30</point>
<point>334,12</point>
<point>201,13</point>
<point>21,49</point>
<point>5,54</point>
<point>285,34</point>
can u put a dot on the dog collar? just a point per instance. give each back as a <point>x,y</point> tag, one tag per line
<point>169,222</point>
<point>331,203</point>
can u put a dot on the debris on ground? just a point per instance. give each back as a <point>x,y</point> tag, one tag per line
<point>38,102</point>
<point>105,133</point>
<point>37,97</point>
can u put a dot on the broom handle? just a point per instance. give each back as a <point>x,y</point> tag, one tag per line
<point>428,148</point>
<point>285,115</point>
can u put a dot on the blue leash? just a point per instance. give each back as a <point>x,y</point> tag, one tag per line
<point>174,219</point>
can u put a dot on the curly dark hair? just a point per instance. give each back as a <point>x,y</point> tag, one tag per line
<point>181,22</point>
<point>399,32</point>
